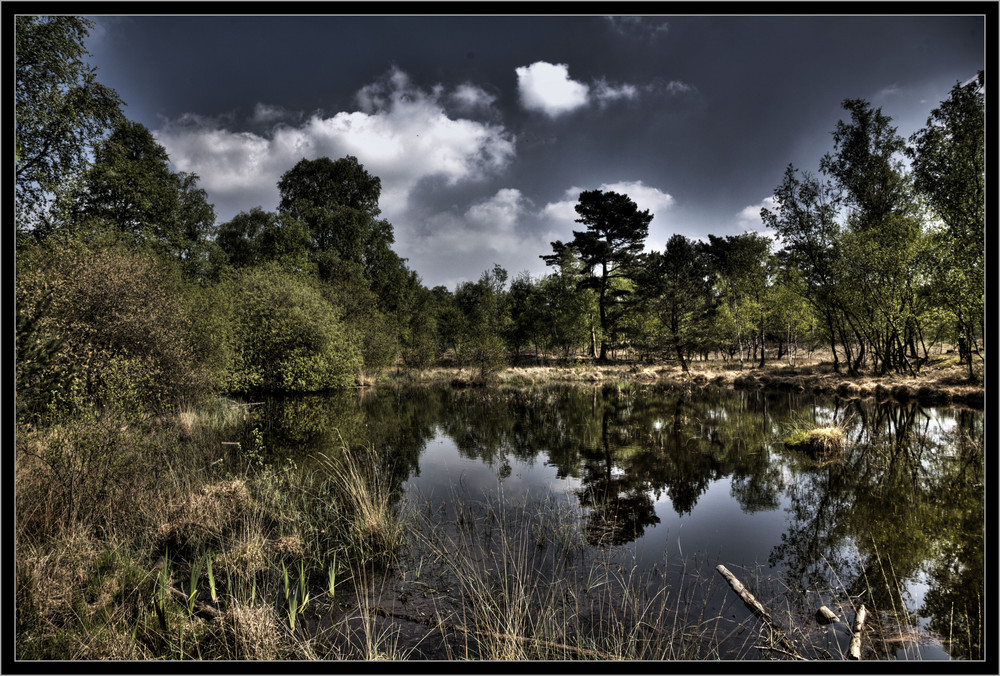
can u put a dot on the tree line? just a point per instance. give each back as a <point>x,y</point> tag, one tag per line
<point>128,290</point>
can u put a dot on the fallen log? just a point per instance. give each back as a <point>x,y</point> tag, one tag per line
<point>826,616</point>
<point>758,611</point>
<point>854,652</point>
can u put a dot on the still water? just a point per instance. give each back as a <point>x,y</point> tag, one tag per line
<point>896,521</point>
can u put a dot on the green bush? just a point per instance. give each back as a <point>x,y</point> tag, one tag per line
<point>103,325</point>
<point>287,337</point>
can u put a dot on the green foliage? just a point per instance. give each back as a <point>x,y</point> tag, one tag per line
<point>37,369</point>
<point>884,242</point>
<point>609,250</point>
<point>130,193</point>
<point>740,265</point>
<point>675,287</point>
<point>338,202</point>
<point>258,236</point>
<point>120,328</point>
<point>346,288</point>
<point>287,337</point>
<point>130,185</point>
<point>805,219</point>
<point>789,316</point>
<point>527,318</point>
<point>194,578</point>
<point>483,305</point>
<point>949,171</point>
<point>60,109</point>
<point>212,336</point>
<point>162,594</point>
<point>568,308</point>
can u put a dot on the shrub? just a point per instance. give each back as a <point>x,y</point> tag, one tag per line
<point>100,323</point>
<point>87,470</point>
<point>287,337</point>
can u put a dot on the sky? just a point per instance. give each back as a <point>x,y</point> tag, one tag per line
<point>484,130</point>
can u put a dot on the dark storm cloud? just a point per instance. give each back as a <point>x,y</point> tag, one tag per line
<point>481,128</point>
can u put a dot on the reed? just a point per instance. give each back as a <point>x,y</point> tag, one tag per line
<point>368,520</point>
<point>521,597</point>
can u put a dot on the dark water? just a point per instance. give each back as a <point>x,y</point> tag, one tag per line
<point>705,475</point>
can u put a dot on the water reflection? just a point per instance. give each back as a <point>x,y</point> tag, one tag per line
<point>902,505</point>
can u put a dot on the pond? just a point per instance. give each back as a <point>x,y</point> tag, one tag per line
<point>671,481</point>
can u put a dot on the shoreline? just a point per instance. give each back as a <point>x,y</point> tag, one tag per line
<point>937,385</point>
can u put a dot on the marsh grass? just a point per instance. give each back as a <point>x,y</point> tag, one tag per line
<point>524,585</point>
<point>160,538</point>
<point>368,518</point>
<point>818,442</point>
<point>821,442</point>
<point>504,580</point>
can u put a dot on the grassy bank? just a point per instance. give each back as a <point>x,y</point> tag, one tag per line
<point>943,381</point>
<point>172,539</point>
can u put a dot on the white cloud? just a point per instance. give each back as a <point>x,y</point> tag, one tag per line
<point>459,245</point>
<point>605,92</point>
<point>748,219</point>
<point>563,211</point>
<point>547,88</point>
<point>468,97</point>
<point>489,225</point>
<point>637,27</point>
<point>500,211</point>
<point>402,134</point>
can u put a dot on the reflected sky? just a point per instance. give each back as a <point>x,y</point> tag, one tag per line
<point>674,475</point>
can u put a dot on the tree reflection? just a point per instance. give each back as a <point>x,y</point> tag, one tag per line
<point>618,501</point>
<point>905,500</point>
<point>900,502</point>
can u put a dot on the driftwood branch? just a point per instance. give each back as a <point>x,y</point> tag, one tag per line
<point>825,616</point>
<point>758,611</point>
<point>859,622</point>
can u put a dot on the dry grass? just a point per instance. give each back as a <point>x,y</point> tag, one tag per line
<point>87,587</point>
<point>819,441</point>
<point>362,484</point>
<point>205,516</point>
<point>941,382</point>
<point>249,632</point>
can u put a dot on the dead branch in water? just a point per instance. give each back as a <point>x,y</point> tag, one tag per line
<point>859,623</point>
<point>758,611</point>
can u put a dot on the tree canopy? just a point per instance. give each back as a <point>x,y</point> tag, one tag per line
<point>609,250</point>
<point>60,109</point>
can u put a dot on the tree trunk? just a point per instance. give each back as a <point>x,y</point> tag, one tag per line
<point>761,364</point>
<point>833,342</point>
<point>593,338</point>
